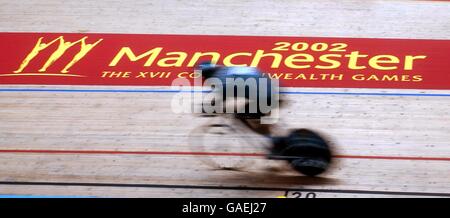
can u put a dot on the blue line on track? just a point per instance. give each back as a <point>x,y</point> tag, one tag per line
<point>43,196</point>
<point>176,91</point>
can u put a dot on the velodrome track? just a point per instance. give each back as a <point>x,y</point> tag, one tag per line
<point>123,141</point>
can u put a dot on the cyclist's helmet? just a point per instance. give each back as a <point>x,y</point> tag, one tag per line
<point>207,68</point>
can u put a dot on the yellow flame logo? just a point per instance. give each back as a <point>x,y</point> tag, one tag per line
<point>63,46</point>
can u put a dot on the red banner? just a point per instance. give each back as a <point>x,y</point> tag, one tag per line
<point>138,59</point>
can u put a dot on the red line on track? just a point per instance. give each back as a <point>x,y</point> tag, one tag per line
<point>211,154</point>
<point>393,157</point>
<point>131,152</point>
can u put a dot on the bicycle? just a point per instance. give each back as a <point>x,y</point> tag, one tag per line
<point>225,138</point>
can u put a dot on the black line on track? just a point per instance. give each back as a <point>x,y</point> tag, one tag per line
<point>242,188</point>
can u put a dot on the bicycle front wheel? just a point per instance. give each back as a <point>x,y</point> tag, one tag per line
<point>222,145</point>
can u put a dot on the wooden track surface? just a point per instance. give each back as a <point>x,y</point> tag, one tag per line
<point>84,141</point>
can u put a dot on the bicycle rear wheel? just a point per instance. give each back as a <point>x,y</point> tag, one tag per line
<point>308,152</point>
